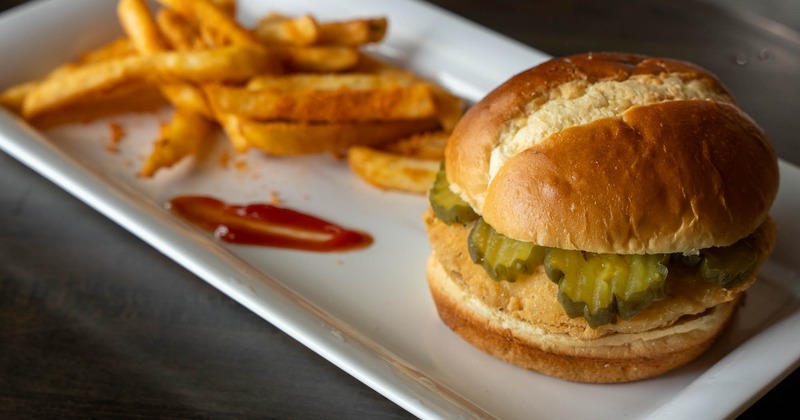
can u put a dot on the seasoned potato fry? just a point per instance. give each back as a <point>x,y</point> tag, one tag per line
<point>284,138</point>
<point>329,105</point>
<point>319,59</point>
<point>392,171</point>
<point>314,81</point>
<point>352,32</point>
<point>138,23</point>
<point>220,26</point>
<point>215,65</point>
<point>133,98</point>
<point>280,30</point>
<point>118,48</point>
<point>232,124</point>
<point>290,85</point>
<point>186,135</point>
<point>13,97</point>
<point>179,32</point>
<point>407,164</point>
<point>427,146</point>
<point>449,107</point>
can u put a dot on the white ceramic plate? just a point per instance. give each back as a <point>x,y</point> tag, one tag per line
<point>369,311</point>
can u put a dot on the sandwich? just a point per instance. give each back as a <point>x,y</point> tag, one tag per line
<point>599,217</point>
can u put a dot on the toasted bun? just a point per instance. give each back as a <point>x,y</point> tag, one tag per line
<point>614,153</point>
<point>523,323</point>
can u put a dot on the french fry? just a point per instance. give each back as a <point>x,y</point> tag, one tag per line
<point>215,65</point>
<point>129,99</point>
<point>232,124</point>
<point>118,48</point>
<point>13,97</point>
<point>220,26</point>
<point>392,171</point>
<point>288,86</point>
<point>352,32</point>
<point>144,33</point>
<point>426,146</point>
<point>314,81</point>
<point>329,105</point>
<point>407,164</point>
<point>319,59</point>
<point>136,20</point>
<point>285,138</point>
<point>179,32</point>
<point>449,108</point>
<point>281,30</point>
<point>187,134</point>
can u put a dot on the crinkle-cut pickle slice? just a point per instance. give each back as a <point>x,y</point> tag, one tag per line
<point>447,205</point>
<point>727,266</point>
<point>600,287</point>
<point>504,259</point>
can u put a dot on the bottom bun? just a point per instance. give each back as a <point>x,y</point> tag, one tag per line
<point>619,357</point>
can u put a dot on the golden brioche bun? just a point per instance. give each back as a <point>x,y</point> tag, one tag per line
<point>608,153</point>
<point>614,153</point>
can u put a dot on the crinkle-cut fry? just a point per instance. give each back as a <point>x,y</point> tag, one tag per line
<point>137,21</point>
<point>318,59</point>
<point>353,32</point>
<point>180,33</point>
<point>279,30</point>
<point>185,135</point>
<point>392,171</point>
<point>218,25</point>
<point>428,145</point>
<point>233,63</point>
<point>286,138</point>
<point>328,105</point>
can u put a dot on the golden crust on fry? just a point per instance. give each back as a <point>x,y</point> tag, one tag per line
<point>186,135</point>
<point>284,138</point>
<point>392,171</point>
<point>288,86</point>
<point>407,164</point>
<point>227,63</point>
<point>339,105</point>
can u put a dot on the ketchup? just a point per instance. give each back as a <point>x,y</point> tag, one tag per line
<point>266,225</point>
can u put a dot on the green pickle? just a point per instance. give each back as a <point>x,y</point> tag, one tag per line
<point>504,259</point>
<point>447,205</point>
<point>727,266</point>
<point>600,287</point>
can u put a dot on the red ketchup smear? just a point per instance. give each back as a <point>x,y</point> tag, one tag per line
<point>266,225</point>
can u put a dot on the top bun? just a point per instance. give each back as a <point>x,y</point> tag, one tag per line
<point>614,153</point>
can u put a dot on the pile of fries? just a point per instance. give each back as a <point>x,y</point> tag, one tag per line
<point>291,85</point>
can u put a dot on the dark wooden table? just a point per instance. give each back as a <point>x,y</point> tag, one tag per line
<point>95,323</point>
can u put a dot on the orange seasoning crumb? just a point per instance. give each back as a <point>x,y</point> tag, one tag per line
<point>117,134</point>
<point>224,159</point>
<point>274,198</point>
<point>240,165</point>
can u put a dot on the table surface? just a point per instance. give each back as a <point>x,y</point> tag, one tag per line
<point>94,322</point>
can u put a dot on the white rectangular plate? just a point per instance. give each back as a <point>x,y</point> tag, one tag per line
<point>369,311</point>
